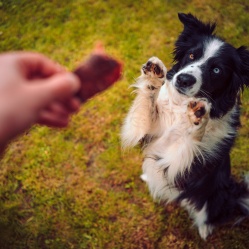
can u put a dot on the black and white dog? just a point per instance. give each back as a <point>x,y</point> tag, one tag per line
<point>187,121</point>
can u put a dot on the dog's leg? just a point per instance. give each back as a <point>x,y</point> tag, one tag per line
<point>144,110</point>
<point>157,183</point>
<point>198,112</point>
<point>200,218</point>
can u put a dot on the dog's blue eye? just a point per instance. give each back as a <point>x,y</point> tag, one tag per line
<point>216,70</point>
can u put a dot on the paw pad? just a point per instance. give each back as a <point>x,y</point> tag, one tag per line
<point>196,110</point>
<point>200,112</point>
<point>153,68</point>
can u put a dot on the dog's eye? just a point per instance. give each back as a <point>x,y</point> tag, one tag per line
<point>216,70</point>
<point>191,56</point>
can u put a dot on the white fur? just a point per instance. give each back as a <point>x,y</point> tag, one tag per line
<point>216,130</point>
<point>139,120</point>
<point>244,202</point>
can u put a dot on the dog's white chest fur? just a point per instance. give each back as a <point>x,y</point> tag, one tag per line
<point>176,143</point>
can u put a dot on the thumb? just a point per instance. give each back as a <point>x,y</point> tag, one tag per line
<point>58,87</point>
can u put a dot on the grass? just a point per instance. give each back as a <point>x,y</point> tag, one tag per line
<point>75,188</point>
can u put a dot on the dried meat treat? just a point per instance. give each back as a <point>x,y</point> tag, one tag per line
<point>97,73</point>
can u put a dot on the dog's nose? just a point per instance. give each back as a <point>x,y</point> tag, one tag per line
<point>185,80</point>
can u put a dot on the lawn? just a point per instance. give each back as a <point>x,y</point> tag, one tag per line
<point>75,187</point>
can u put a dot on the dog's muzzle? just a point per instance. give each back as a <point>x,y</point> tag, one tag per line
<point>185,81</point>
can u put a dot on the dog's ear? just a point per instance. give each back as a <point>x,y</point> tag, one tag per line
<point>193,29</point>
<point>243,53</point>
<point>194,25</point>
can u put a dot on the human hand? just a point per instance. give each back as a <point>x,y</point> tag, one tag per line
<point>34,89</point>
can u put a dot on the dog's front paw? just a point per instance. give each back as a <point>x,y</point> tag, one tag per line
<point>198,110</point>
<point>205,230</point>
<point>154,68</point>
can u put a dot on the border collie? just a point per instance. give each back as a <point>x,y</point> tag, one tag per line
<point>186,120</point>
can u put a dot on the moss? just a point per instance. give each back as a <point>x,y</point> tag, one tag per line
<point>74,187</point>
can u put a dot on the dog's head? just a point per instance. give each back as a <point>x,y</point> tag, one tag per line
<point>207,66</point>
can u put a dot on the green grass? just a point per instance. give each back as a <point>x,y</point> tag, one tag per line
<point>75,187</point>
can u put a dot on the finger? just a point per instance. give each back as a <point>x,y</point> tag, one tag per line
<point>58,108</point>
<point>72,105</point>
<point>53,120</point>
<point>64,109</point>
<point>56,88</point>
<point>35,65</point>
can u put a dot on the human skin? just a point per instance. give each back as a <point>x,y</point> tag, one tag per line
<point>34,90</point>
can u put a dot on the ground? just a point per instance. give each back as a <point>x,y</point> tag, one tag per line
<point>75,187</point>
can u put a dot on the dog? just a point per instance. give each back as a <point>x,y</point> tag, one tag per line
<point>186,121</point>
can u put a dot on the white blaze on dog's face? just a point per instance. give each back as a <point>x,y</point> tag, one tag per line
<point>190,78</point>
